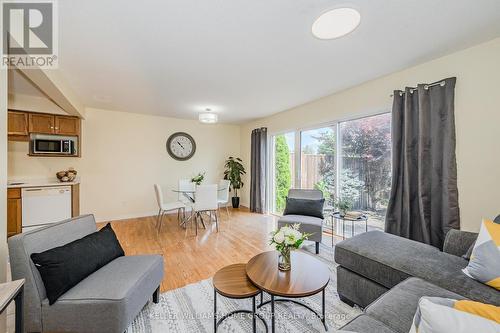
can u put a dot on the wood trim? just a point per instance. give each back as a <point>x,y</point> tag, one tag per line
<point>75,200</point>
<point>14,193</point>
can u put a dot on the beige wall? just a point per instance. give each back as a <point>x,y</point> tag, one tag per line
<point>477,107</point>
<point>123,155</point>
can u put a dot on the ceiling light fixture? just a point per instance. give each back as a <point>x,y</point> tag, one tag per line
<point>336,23</point>
<point>208,117</point>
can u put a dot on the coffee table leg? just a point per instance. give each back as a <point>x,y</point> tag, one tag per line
<point>254,320</point>
<point>323,319</point>
<point>215,310</point>
<point>272,313</point>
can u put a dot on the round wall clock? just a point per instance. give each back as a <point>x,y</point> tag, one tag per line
<point>181,146</point>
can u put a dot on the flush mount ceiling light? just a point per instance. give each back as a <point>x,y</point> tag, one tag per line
<point>208,117</point>
<point>336,23</point>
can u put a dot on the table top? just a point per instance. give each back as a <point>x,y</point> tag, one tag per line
<point>307,277</point>
<point>177,190</point>
<point>232,281</point>
<point>8,291</point>
<point>347,218</point>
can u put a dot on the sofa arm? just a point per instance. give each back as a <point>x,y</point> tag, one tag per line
<point>457,242</point>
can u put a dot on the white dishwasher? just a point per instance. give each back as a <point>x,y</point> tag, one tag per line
<point>45,205</point>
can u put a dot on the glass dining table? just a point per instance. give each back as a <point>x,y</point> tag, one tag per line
<point>190,194</point>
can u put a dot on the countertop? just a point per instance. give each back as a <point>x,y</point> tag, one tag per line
<point>39,183</point>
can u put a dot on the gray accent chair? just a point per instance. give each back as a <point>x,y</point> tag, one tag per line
<point>105,301</point>
<point>308,224</point>
<point>387,275</point>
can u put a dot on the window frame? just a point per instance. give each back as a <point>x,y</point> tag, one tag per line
<point>297,152</point>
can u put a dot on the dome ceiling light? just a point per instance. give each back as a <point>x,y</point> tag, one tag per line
<point>336,23</point>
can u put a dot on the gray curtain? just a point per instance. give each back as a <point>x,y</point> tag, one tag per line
<point>424,198</point>
<point>258,167</point>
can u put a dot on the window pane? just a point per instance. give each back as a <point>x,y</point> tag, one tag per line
<point>365,173</point>
<point>317,158</point>
<point>284,169</point>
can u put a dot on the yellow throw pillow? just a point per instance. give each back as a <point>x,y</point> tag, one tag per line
<point>484,264</point>
<point>444,315</point>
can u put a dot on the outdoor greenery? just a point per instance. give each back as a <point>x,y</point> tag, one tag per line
<point>367,144</point>
<point>365,171</point>
<point>283,172</point>
<point>234,171</point>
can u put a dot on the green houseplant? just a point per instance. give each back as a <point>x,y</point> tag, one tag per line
<point>198,179</point>
<point>234,171</point>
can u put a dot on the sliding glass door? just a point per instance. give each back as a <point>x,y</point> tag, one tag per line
<point>349,160</point>
<point>318,161</point>
<point>365,171</point>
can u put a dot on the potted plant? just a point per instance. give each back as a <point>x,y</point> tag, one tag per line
<point>234,171</point>
<point>286,239</point>
<point>343,205</point>
<point>198,179</point>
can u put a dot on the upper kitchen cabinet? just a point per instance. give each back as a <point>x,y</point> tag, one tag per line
<point>41,123</point>
<point>21,124</point>
<point>17,125</point>
<point>67,125</point>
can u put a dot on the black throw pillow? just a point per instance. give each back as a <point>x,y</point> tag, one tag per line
<point>308,207</point>
<point>63,267</point>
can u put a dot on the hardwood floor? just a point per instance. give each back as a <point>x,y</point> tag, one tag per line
<point>189,258</point>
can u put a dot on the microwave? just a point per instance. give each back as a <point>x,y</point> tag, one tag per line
<point>53,145</point>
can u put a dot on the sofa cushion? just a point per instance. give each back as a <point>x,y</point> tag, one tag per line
<point>484,264</point>
<point>388,260</point>
<point>108,299</point>
<point>307,207</point>
<point>62,267</point>
<point>308,224</point>
<point>396,308</point>
<point>365,324</point>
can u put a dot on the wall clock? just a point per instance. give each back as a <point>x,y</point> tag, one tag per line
<point>181,146</point>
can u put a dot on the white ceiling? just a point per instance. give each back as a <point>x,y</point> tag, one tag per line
<point>249,59</point>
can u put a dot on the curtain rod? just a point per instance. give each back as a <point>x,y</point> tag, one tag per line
<point>426,86</point>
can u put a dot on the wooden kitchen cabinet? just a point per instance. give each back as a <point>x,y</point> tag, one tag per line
<point>41,123</point>
<point>17,123</point>
<point>14,211</point>
<point>67,125</point>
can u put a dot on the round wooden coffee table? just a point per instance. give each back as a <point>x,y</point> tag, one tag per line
<point>308,276</point>
<point>232,282</point>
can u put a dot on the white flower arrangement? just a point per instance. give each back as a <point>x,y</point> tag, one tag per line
<point>288,237</point>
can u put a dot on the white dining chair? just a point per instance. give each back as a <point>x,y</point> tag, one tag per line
<point>223,194</point>
<point>185,185</point>
<point>164,207</point>
<point>205,202</point>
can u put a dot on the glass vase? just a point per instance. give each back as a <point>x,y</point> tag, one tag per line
<point>284,263</point>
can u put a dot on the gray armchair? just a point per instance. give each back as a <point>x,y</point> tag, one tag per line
<point>105,301</point>
<point>308,224</point>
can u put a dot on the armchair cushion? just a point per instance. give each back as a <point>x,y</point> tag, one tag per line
<point>307,207</point>
<point>63,267</point>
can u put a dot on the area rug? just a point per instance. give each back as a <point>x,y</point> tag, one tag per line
<point>190,309</point>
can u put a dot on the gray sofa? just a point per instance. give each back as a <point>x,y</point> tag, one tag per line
<point>308,224</point>
<point>387,275</point>
<point>106,301</point>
